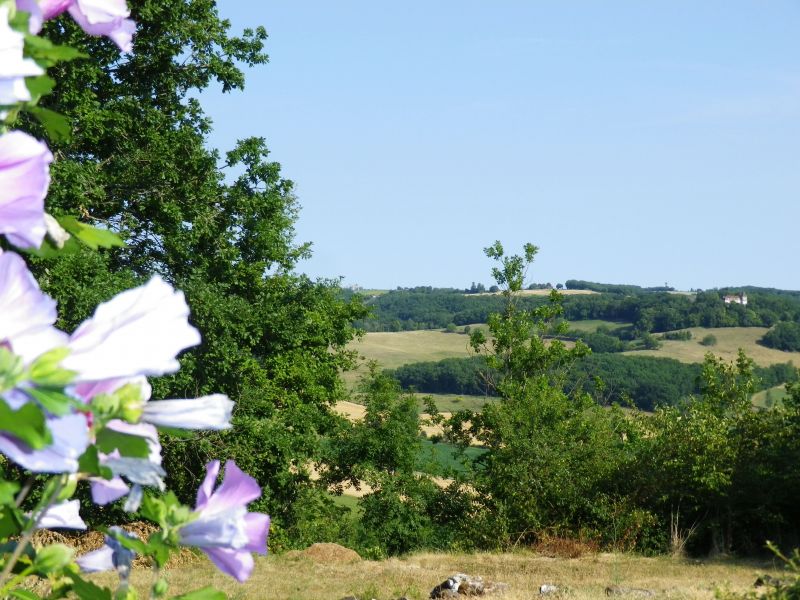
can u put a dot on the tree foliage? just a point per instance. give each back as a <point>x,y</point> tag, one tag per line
<point>220,227</point>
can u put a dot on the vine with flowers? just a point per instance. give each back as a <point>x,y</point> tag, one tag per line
<point>75,408</point>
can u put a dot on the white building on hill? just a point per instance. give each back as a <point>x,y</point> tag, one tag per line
<point>740,298</point>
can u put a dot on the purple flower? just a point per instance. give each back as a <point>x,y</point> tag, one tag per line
<point>35,12</point>
<point>207,412</point>
<point>65,515</point>
<point>112,555</point>
<point>70,440</point>
<point>13,67</point>
<point>138,332</point>
<point>24,309</point>
<point>223,528</point>
<point>97,17</point>
<point>139,471</point>
<point>24,178</point>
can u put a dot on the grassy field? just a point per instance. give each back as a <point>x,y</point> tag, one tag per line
<point>444,456</point>
<point>729,340</point>
<point>392,349</point>
<point>300,577</point>
<point>591,325</point>
<point>771,397</point>
<point>541,293</point>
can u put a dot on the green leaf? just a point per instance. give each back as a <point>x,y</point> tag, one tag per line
<point>93,237</point>
<point>86,590</point>
<point>8,491</point>
<point>56,124</point>
<point>206,593</point>
<point>53,400</point>
<point>11,369</point>
<point>129,445</point>
<point>46,53</point>
<point>46,369</point>
<point>89,463</point>
<point>153,509</point>
<point>26,424</point>
<point>39,86</point>
<point>11,520</point>
<point>53,558</point>
<point>49,250</point>
<point>23,594</point>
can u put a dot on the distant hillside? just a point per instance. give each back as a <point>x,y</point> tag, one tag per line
<point>647,309</point>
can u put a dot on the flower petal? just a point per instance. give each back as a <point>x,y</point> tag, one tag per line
<point>257,525</point>
<point>207,412</point>
<point>237,489</point>
<point>70,440</point>
<point>65,515</point>
<point>98,560</point>
<point>23,306</point>
<point>138,332</point>
<point>207,487</point>
<point>53,8</point>
<point>35,11</point>
<point>105,491</point>
<point>13,66</point>
<point>105,17</point>
<point>236,563</point>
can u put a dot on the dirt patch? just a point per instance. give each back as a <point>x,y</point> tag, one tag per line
<point>330,553</point>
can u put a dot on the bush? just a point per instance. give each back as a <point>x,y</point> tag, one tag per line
<point>682,335</point>
<point>783,336</point>
<point>709,340</point>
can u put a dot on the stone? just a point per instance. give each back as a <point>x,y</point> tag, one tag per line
<point>547,589</point>
<point>466,585</point>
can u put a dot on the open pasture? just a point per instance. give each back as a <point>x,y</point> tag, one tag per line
<point>729,340</point>
<point>591,325</point>
<point>302,576</point>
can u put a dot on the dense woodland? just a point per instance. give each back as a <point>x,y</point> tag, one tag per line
<point>551,462</point>
<point>642,381</point>
<point>646,310</point>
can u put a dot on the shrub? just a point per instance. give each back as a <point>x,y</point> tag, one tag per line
<point>682,335</point>
<point>709,340</point>
<point>783,336</point>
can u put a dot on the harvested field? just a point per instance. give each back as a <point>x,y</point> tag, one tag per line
<point>302,576</point>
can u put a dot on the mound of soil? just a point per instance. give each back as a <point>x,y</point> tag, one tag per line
<point>330,553</point>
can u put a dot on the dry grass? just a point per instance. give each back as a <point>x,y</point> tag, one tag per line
<point>301,577</point>
<point>540,293</point>
<point>393,349</point>
<point>729,340</point>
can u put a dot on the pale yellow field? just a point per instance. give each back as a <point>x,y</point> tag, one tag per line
<point>540,293</point>
<point>393,349</point>
<point>301,578</point>
<point>729,340</point>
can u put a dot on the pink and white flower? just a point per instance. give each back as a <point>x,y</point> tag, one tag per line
<point>138,332</point>
<point>13,67</point>
<point>223,528</point>
<point>96,17</point>
<point>24,179</point>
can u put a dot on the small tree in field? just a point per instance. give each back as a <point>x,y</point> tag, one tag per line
<point>546,450</point>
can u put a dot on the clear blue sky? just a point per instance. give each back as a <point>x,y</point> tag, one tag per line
<point>633,142</point>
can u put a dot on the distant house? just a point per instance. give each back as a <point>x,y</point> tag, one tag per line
<point>740,298</point>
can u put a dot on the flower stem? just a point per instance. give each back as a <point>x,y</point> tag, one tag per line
<point>30,529</point>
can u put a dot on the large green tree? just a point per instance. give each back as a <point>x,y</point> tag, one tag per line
<point>139,164</point>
